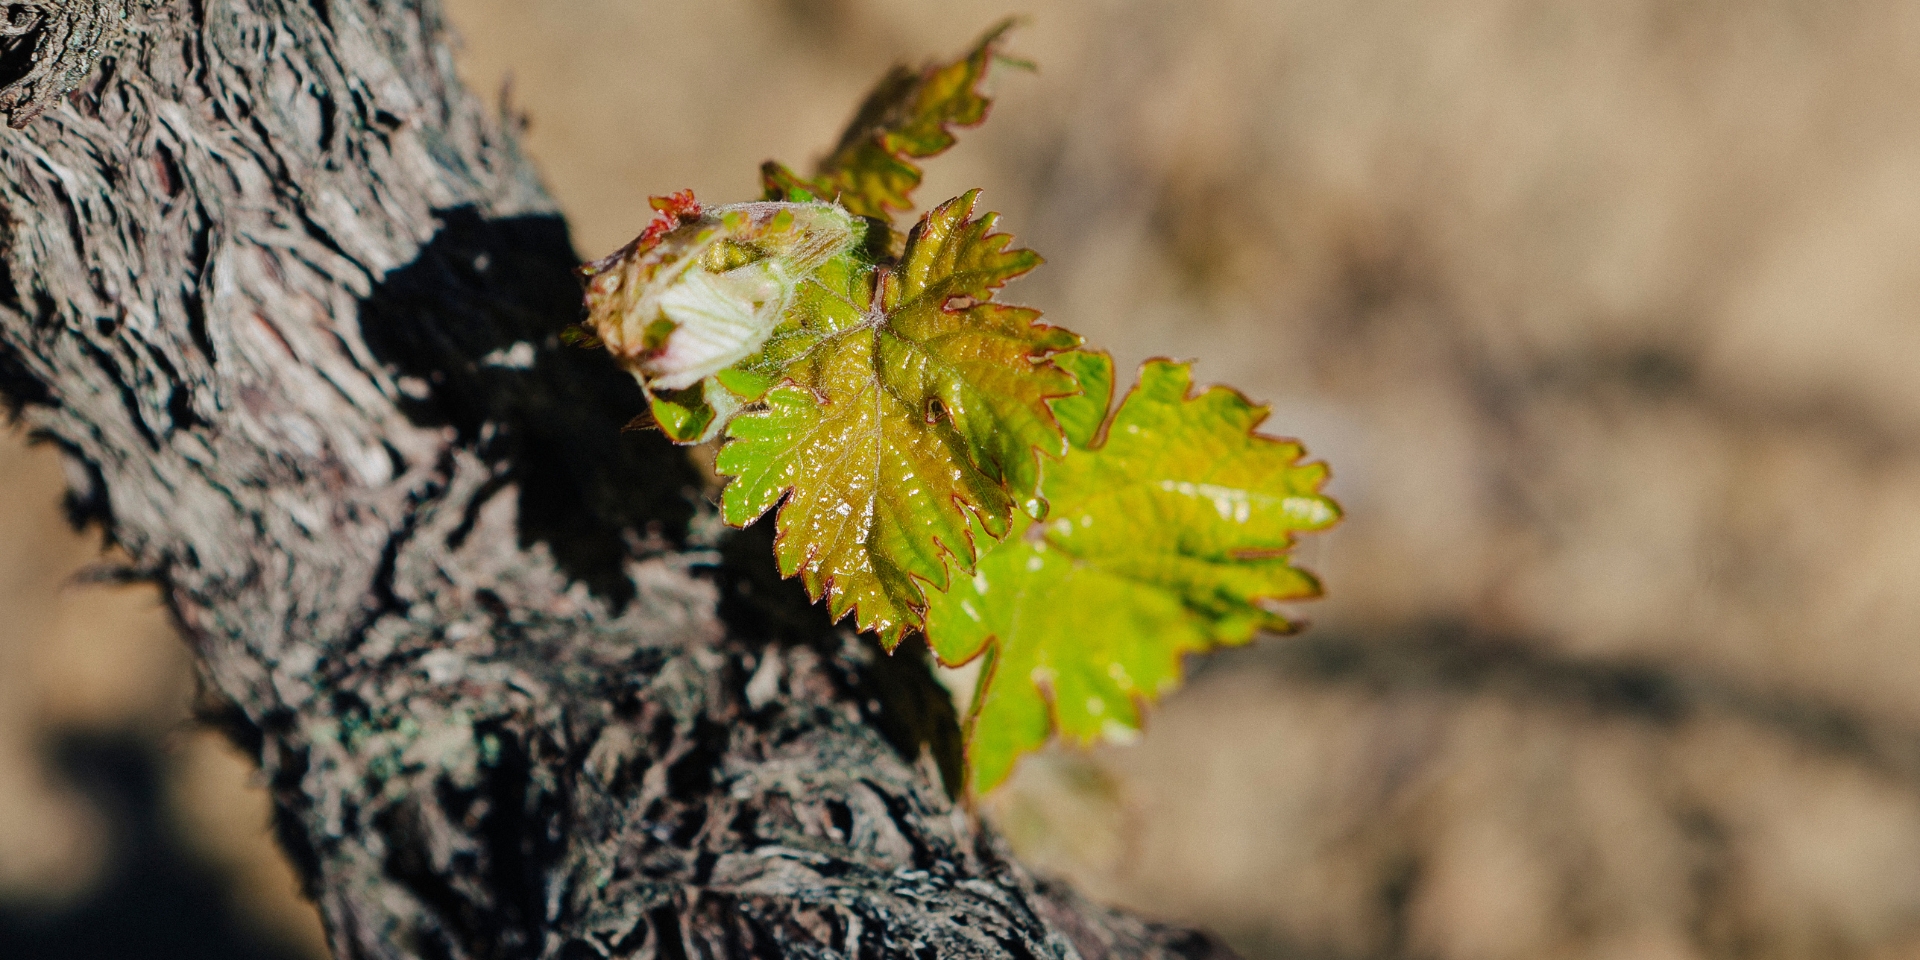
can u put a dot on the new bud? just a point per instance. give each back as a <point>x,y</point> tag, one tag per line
<point>701,291</point>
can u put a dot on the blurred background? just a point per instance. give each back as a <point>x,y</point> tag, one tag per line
<point>1603,313</point>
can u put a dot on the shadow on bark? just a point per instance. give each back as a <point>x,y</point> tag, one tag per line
<point>475,321</point>
<point>473,325</point>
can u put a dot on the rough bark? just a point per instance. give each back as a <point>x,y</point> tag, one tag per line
<point>287,298</point>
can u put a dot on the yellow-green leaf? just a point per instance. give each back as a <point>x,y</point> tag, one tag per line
<point>1168,536</point>
<point>875,496</point>
<point>904,413</point>
<point>908,116</point>
<point>974,356</point>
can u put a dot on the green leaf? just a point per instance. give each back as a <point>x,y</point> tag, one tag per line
<point>908,116</point>
<point>975,357</point>
<point>1082,414</point>
<point>1167,537</point>
<point>911,416</point>
<point>875,496</point>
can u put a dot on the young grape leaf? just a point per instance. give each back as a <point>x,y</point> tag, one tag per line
<point>948,343</point>
<point>1167,535</point>
<point>910,417</point>
<point>906,117</point>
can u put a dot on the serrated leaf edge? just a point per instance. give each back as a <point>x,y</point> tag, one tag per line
<point>1142,699</point>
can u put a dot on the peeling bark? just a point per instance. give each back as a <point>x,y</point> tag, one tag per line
<point>288,300</point>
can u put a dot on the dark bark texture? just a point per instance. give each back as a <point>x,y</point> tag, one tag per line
<point>288,299</point>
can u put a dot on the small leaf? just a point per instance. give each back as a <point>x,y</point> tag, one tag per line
<point>974,356</point>
<point>908,116</point>
<point>875,496</point>
<point>579,336</point>
<point>1169,537</point>
<point>683,415</point>
<point>907,410</point>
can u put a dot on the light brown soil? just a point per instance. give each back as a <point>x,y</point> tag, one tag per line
<point>1605,316</point>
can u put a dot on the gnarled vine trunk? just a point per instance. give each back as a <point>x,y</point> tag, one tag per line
<point>288,298</point>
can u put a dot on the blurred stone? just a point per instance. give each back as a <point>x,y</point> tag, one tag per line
<point>51,840</point>
<point>222,809</point>
<point>80,658</point>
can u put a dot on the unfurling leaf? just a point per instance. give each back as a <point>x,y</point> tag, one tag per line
<point>905,118</point>
<point>946,463</point>
<point>1167,536</point>
<point>698,292</point>
<point>905,412</point>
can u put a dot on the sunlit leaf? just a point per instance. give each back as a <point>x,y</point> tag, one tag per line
<point>1167,536</point>
<point>908,116</point>
<point>906,410</point>
<point>875,496</point>
<point>944,462</point>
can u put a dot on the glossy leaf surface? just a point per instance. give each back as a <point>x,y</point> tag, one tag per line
<point>1167,536</point>
<point>911,418</point>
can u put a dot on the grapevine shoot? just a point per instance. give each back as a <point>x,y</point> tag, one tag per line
<point>942,462</point>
